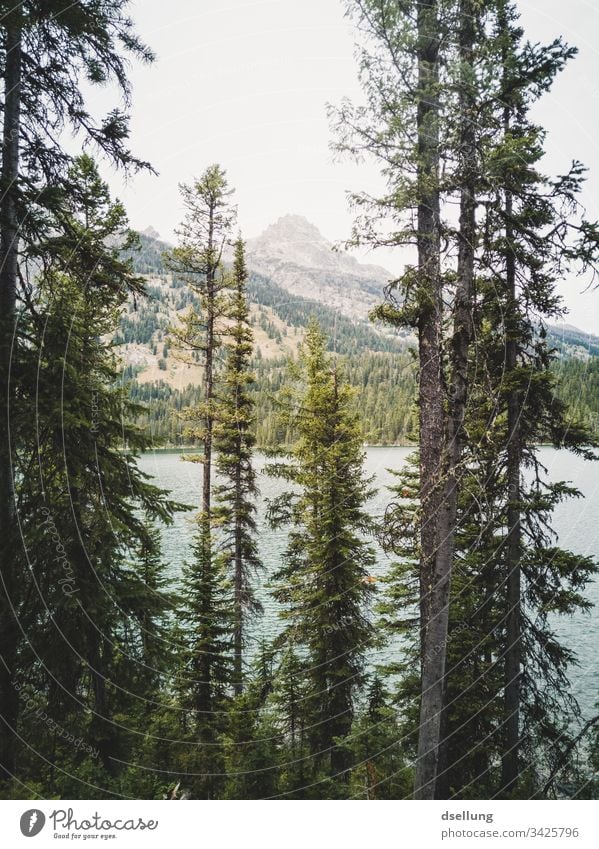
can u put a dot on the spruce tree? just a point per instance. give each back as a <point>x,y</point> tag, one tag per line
<point>291,717</point>
<point>322,585</point>
<point>197,260</point>
<point>88,510</point>
<point>498,626</point>
<point>234,441</point>
<point>205,655</point>
<point>480,128</point>
<point>417,68</point>
<point>380,771</point>
<point>531,242</point>
<point>205,675</point>
<point>49,51</point>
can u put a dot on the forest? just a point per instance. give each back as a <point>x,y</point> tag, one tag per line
<point>125,675</point>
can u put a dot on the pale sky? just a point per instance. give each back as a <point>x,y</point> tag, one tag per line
<point>245,83</point>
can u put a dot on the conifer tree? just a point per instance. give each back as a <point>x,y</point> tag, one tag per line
<point>89,510</point>
<point>524,244</point>
<point>417,66</point>
<point>48,51</point>
<point>205,656</point>
<point>531,242</point>
<point>205,675</point>
<point>252,753</point>
<point>380,771</point>
<point>322,585</point>
<point>234,441</point>
<point>156,651</point>
<point>290,715</point>
<point>203,235</point>
<point>479,124</point>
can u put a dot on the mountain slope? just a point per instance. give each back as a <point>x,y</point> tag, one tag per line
<point>294,275</point>
<point>297,257</point>
<point>305,278</point>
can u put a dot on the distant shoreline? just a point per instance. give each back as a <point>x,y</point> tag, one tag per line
<point>190,449</point>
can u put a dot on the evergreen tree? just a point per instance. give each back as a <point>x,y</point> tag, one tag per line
<point>48,50</point>
<point>88,510</point>
<point>322,586</point>
<point>203,235</point>
<point>289,703</point>
<point>376,749</point>
<point>205,672</point>
<point>234,440</point>
<point>252,753</point>
<point>197,261</point>
<point>530,243</point>
<point>156,606</point>
<point>473,122</point>
<point>417,66</point>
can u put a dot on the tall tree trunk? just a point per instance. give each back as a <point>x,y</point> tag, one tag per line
<point>513,654</point>
<point>238,588</point>
<point>204,694</point>
<point>208,419</point>
<point>9,251</point>
<point>430,392</point>
<point>460,345</point>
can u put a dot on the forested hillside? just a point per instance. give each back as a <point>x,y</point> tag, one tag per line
<point>379,364</point>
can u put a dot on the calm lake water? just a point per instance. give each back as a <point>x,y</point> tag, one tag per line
<point>576,523</point>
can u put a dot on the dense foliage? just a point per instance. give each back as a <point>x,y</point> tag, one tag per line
<point>124,676</point>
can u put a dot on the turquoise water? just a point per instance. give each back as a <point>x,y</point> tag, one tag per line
<point>576,523</point>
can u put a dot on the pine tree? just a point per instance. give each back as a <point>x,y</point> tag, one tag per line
<point>89,510</point>
<point>252,754</point>
<point>417,70</point>
<point>531,242</point>
<point>203,235</point>
<point>322,586</point>
<point>205,674</point>
<point>289,704</point>
<point>376,749</point>
<point>60,45</point>
<point>234,441</point>
<point>479,128</point>
<point>206,657</point>
<point>156,607</point>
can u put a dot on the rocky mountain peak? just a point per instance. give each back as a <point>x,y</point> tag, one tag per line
<point>151,233</point>
<point>294,228</point>
<point>297,257</point>
<point>292,240</point>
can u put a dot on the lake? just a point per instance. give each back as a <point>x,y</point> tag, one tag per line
<point>576,523</point>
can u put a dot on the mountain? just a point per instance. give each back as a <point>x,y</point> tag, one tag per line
<point>295,274</point>
<point>151,233</point>
<point>574,343</point>
<point>295,255</point>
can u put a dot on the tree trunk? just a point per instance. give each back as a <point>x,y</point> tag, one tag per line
<point>9,251</point>
<point>460,345</point>
<point>238,601</point>
<point>204,692</point>
<point>208,419</point>
<point>430,391</point>
<point>513,654</point>
<point>211,270</point>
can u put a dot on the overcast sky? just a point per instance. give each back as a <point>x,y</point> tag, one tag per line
<point>245,83</point>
